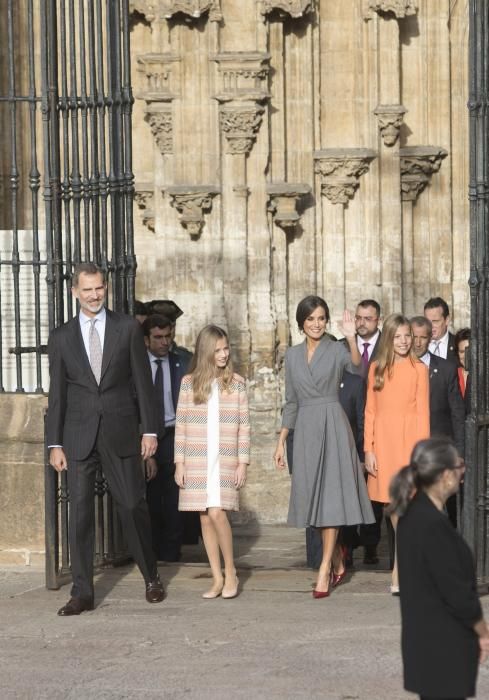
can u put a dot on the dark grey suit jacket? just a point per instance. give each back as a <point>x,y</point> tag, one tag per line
<point>123,400</point>
<point>447,408</point>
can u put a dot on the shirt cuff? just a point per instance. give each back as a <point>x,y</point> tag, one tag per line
<point>150,435</point>
<point>50,447</point>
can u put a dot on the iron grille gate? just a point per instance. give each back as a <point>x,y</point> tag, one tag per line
<point>476,505</point>
<point>66,195</point>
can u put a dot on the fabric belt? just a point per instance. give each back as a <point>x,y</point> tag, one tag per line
<point>319,401</point>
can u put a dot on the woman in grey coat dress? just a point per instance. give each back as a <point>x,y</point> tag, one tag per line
<point>328,486</point>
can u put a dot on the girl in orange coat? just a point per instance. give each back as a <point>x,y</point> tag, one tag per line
<point>397,412</point>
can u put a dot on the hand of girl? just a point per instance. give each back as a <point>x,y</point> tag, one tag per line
<point>180,474</point>
<point>371,463</point>
<point>240,476</point>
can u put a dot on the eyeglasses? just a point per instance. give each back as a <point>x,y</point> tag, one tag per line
<point>368,319</point>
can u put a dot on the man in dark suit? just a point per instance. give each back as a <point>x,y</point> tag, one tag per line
<point>100,391</point>
<point>168,368</point>
<point>367,320</point>
<point>447,408</point>
<point>442,343</point>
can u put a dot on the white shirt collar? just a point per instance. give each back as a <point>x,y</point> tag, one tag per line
<point>100,316</point>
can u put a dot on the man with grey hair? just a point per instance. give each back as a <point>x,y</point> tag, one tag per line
<point>447,409</point>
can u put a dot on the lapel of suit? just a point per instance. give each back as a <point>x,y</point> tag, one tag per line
<point>77,347</point>
<point>112,333</point>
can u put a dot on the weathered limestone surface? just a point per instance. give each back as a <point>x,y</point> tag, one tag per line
<point>248,118</point>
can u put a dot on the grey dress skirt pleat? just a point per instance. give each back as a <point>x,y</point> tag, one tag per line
<point>328,486</point>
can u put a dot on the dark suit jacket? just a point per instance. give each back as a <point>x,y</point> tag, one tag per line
<point>352,398</point>
<point>178,369</point>
<point>439,604</point>
<point>124,398</point>
<point>447,409</point>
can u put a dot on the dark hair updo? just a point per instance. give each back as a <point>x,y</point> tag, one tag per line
<point>307,306</point>
<point>429,459</point>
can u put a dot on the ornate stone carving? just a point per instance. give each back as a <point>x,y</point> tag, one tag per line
<point>399,8</point>
<point>144,196</point>
<point>418,163</point>
<point>284,201</point>
<point>294,8</point>
<point>240,124</point>
<point>390,118</point>
<point>191,201</point>
<point>165,9</point>
<point>160,120</point>
<point>340,170</point>
<point>157,69</point>
<point>242,96</point>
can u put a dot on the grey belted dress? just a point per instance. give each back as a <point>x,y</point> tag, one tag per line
<point>328,485</point>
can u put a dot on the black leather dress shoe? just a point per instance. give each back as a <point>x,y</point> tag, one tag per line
<point>155,591</point>
<point>75,606</point>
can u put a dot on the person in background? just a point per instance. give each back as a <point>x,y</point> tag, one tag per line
<point>140,311</point>
<point>462,342</point>
<point>396,413</point>
<point>168,308</point>
<point>442,341</point>
<point>444,634</point>
<point>212,450</point>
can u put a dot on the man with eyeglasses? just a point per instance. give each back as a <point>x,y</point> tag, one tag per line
<point>367,319</point>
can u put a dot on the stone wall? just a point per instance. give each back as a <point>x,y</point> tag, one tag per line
<point>288,147</point>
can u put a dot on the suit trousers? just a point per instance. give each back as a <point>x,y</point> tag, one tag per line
<point>125,479</point>
<point>167,523</point>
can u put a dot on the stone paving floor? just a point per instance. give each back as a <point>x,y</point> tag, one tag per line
<point>273,641</point>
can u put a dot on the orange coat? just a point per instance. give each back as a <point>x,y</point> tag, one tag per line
<point>395,419</point>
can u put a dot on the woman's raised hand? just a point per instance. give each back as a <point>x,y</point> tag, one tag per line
<point>348,324</point>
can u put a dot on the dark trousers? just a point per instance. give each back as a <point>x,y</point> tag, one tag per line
<point>126,484</point>
<point>370,534</point>
<point>167,523</point>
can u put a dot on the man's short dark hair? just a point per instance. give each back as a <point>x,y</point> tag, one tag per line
<point>365,303</point>
<point>436,302</point>
<point>87,268</point>
<point>422,321</point>
<point>155,321</point>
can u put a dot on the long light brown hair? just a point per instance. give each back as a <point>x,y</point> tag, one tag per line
<point>386,355</point>
<point>203,365</point>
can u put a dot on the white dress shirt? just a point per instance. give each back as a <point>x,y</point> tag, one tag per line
<point>442,347</point>
<point>85,321</point>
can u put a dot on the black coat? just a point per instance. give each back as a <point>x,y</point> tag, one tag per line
<point>352,398</point>
<point>123,400</point>
<point>447,408</point>
<point>439,604</point>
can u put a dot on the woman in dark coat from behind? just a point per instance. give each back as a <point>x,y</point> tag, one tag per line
<point>443,631</point>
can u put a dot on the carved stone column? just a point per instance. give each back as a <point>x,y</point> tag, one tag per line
<point>284,202</point>
<point>242,94</point>
<point>144,196</point>
<point>190,9</point>
<point>398,8</point>
<point>159,92</point>
<point>390,118</point>
<point>417,164</point>
<point>340,170</point>
<point>191,201</point>
<point>287,8</point>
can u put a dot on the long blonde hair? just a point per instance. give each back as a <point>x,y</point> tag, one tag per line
<point>386,355</point>
<point>203,365</point>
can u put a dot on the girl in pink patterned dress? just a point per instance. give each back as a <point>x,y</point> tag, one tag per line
<point>212,450</point>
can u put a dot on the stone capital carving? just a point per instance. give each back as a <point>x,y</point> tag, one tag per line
<point>284,202</point>
<point>192,201</point>
<point>240,123</point>
<point>157,69</point>
<point>399,8</point>
<point>165,9</point>
<point>340,170</point>
<point>243,75</point>
<point>292,8</point>
<point>144,197</point>
<point>418,163</point>
<point>390,118</point>
<point>160,120</point>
